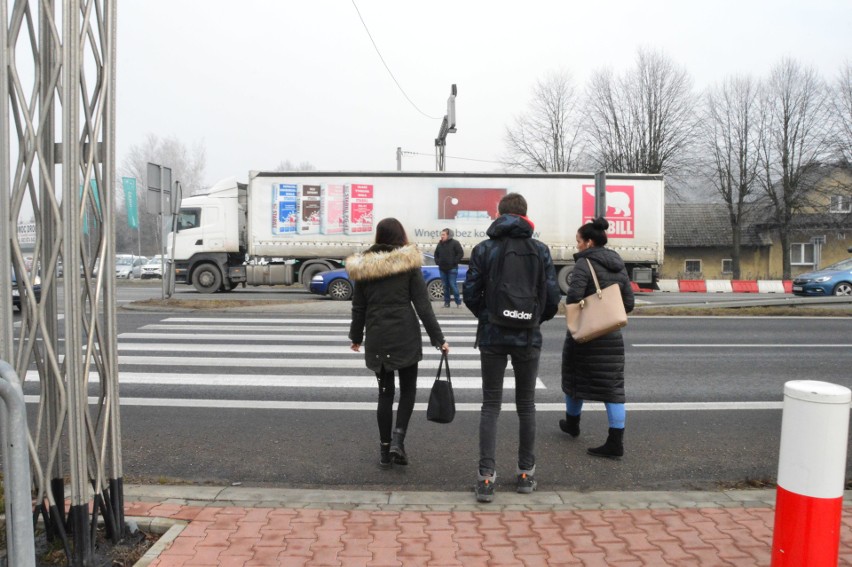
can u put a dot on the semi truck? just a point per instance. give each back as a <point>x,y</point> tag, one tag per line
<point>285,227</point>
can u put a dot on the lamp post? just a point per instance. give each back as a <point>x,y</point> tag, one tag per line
<point>453,200</point>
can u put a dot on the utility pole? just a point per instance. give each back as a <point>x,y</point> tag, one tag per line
<point>448,126</point>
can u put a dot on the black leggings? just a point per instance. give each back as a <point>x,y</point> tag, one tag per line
<point>407,394</point>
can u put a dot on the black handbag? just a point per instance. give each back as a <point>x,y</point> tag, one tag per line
<point>442,402</point>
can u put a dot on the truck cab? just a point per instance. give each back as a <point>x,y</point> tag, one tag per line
<point>209,243</point>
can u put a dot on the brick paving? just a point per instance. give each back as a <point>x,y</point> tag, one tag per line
<point>251,527</point>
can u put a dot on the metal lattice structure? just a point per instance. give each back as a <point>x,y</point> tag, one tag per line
<point>57,164</point>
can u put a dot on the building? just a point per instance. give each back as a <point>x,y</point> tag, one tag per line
<point>698,237</point>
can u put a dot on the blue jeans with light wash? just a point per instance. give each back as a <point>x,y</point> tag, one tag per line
<point>525,363</point>
<point>615,412</point>
<point>448,278</point>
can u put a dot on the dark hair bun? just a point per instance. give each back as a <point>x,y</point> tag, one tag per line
<point>600,224</point>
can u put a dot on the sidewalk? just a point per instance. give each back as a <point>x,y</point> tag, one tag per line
<point>243,526</point>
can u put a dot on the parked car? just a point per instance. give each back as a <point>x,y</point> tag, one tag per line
<point>832,280</point>
<point>336,283</point>
<point>153,268</point>
<point>128,266</point>
<point>16,292</point>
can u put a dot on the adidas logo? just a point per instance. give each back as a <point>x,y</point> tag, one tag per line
<point>523,316</point>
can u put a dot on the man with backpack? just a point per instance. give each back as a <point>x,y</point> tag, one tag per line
<point>511,288</point>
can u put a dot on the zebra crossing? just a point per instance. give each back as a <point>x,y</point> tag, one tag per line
<point>293,360</point>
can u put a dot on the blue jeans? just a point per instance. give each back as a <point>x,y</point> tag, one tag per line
<point>525,363</point>
<point>615,412</point>
<point>448,278</point>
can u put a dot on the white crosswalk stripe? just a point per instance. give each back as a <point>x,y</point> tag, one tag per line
<point>294,353</point>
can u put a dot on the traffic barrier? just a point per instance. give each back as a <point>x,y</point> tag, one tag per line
<point>719,286</point>
<point>744,286</point>
<point>668,285</point>
<point>770,286</point>
<point>697,286</point>
<point>811,474</point>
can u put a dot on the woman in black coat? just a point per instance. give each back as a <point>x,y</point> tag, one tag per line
<point>387,283</point>
<point>595,370</point>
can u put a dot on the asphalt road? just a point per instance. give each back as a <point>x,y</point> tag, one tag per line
<point>312,439</point>
<point>278,399</point>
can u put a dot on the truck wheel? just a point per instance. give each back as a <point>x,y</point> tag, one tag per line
<point>206,278</point>
<point>563,277</point>
<point>308,273</point>
<point>340,290</point>
<point>436,290</point>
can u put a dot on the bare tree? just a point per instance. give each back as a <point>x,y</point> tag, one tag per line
<point>843,112</point>
<point>732,137</point>
<point>796,142</point>
<point>187,166</point>
<point>545,138</point>
<point>643,121</point>
<point>287,165</point>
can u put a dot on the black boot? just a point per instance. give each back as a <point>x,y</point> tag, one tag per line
<point>385,461</point>
<point>570,425</point>
<point>614,446</point>
<point>397,448</point>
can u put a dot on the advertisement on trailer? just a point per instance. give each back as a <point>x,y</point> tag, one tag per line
<point>620,208</point>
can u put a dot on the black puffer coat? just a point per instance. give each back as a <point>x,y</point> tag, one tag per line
<point>595,370</point>
<point>484,256</point>
<point>387,283</point>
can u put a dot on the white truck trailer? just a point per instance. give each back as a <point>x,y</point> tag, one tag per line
<point>284,227</point>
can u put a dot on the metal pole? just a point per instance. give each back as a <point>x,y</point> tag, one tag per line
<point>116,474</point>
<point>74,312</point>
<point>600,194</point>
<point>5,195</point>
<point>399,159</point>
<point>19,525</point>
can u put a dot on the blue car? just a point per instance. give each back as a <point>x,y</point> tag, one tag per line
<point>833,280</point>
<point>336,283</point>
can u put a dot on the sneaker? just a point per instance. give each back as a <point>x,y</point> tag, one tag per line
<point>458,305</point>
<point>526,483</point>
<point>446,306</point>
<point>485,489</point>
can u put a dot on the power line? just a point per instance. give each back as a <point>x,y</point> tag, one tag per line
<point>455,157</point>
<point>376,47</point>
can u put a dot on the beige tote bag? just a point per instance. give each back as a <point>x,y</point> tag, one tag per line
<point>596,315</point>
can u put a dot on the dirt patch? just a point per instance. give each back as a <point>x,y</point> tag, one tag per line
<point>104,554</point>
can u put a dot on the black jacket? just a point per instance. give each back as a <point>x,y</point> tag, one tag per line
<point>595,370</point>
<point>483,257</point>
<point>448,254</point>
<point>388,282</point>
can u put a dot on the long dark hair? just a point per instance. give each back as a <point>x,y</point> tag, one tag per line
<point>595,230</point>
<point>389,231</point>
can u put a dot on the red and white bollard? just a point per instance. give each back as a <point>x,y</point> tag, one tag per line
<point>811,474</point>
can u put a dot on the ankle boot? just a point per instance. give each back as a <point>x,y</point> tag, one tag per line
<point>570,425</point>
<point>385,461</point>
<point>614,446</point>
<point>397,448</point>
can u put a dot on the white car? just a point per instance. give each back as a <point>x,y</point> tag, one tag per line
<point>153,268</point>
<point>129,267</point>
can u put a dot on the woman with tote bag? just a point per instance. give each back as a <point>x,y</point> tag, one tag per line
<point>594,370</point>
<point>389,296</point>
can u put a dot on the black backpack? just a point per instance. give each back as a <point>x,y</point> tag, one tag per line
<point>516,290</point>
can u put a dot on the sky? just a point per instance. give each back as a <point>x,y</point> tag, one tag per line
<point>257,82</point>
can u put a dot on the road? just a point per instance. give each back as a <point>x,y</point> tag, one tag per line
<point>278,399</point>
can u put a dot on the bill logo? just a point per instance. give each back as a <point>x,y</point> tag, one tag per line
<point>620,209</point>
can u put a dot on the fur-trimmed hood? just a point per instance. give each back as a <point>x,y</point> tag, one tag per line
<point>382,261</point>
